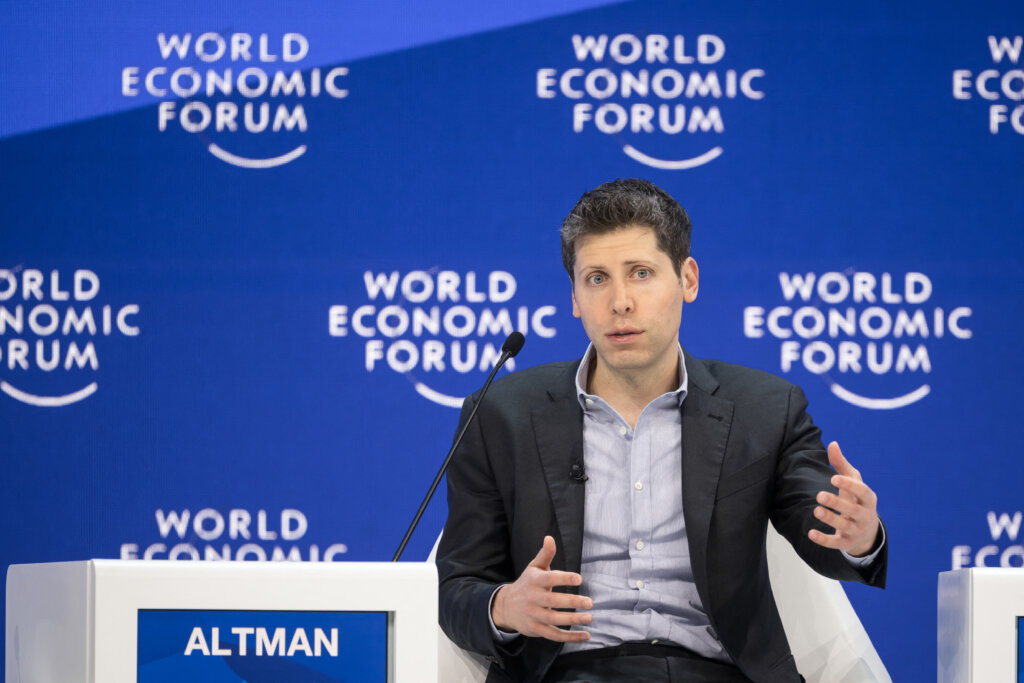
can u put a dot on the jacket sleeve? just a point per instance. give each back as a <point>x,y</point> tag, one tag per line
<point>473,557</point>
<point>802,471</point>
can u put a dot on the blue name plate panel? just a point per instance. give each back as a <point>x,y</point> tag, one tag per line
<point>221,646</point>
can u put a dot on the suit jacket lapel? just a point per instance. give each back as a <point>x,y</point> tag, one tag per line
<point>558,428</point>
<point>706,422</point>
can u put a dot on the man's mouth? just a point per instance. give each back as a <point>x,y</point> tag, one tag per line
<point>623,336</point>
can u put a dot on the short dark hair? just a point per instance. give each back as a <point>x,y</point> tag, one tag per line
<point>622,203</point>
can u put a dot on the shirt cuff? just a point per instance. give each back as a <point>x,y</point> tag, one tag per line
<point>859,562</point>
<point>499,636</point>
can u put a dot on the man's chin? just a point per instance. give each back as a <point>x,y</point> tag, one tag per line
<point>624,358</point>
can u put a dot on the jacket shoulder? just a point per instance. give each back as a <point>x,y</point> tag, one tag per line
<point>534,383</point>
<point>739,381</point>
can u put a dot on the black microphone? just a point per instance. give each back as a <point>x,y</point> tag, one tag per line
<point>577,473</point>
<point>513,344</point>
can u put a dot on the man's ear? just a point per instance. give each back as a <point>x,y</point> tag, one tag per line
<point>575,306</point>
<point>690,275</point>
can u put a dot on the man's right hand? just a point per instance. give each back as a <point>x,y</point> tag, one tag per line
<point>529,606</point>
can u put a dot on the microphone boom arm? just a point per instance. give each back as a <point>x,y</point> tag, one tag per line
<point>508,349</point>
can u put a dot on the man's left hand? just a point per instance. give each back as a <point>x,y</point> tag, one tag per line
<point>852,513</point>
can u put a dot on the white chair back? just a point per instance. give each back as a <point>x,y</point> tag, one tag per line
<point>825,635</point>
<point>455,665</point>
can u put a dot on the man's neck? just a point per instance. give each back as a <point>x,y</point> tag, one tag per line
<point>630,392</point>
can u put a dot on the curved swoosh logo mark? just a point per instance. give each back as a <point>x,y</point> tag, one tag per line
<point>880,403</point>
<point>667,165</point>
<point>244,162</point>
<point>49,401</point>
<point>437,397</point>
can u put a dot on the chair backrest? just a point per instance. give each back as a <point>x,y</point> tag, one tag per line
<point>455,665</point>
<point>828,641</point>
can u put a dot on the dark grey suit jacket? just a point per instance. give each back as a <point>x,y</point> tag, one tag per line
<point>750,454</point>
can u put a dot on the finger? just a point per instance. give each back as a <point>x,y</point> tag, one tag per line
<point>554,600</point>
<point>840,463</point>
<point>545,555</point>
<point>840,524</point>
<point>569,618</point>
<point>827,540</point>
<point>857,543</point>
<point>561,635</point>
<point>555,577</point>
<point>847,508</point>
<point>856,488</point>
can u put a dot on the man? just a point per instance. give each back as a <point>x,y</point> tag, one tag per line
<point>607,517</point>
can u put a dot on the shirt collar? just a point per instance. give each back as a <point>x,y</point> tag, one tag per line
<point>583,374</point>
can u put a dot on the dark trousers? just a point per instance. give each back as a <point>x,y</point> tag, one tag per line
<point>641,662</point>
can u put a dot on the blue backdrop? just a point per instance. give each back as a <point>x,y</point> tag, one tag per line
<point>251,254</point>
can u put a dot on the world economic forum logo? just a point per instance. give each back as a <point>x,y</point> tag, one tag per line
<point>660,96</point>
<point>999,83</point>
<point>237,534</point>
<point>855,328</point>
<point>235,89</point>
<point>433,326</point>
<point>1000,547</point>
<point>51,325</point>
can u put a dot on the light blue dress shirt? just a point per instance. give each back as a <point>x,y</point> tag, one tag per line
<point>636,558</point>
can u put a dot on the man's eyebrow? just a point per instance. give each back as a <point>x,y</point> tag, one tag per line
<point>601,266</point>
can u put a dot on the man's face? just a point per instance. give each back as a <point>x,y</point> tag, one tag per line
<point>630,300</point>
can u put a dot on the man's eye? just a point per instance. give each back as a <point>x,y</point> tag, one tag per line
<point>596,279</point>
<point>642,273</point>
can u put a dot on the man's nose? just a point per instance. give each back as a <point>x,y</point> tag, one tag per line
<point>622,301</point>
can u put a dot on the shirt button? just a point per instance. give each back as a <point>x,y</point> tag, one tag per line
<point>654,642</point>
<point>639,584</point>
<point>590,401</point>
<point>623,430</point>
<point>639,545</point>
<point>639,486</point>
